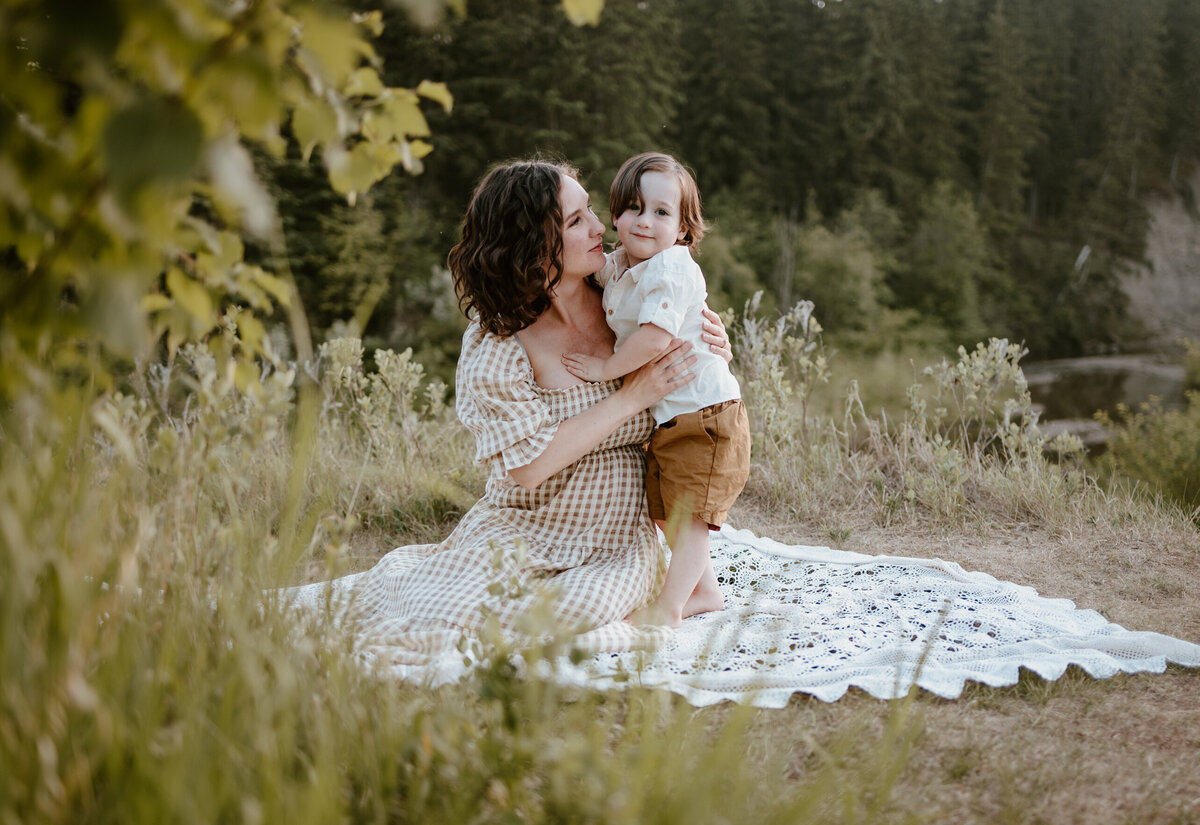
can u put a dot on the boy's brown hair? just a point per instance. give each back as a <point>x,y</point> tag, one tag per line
<point>626,192</point>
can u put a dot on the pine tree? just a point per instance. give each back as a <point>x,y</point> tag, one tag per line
<point>1129,97</point>
<point>724,127</point>
<point>1006,127</point>
<point>899,116</point>
<point>1182,139</point>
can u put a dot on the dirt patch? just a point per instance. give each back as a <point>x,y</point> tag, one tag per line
<point>1077,750</point>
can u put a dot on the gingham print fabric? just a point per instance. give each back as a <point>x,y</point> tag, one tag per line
<point>583,536</point>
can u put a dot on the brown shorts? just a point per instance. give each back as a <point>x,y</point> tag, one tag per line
<point>700,461</point>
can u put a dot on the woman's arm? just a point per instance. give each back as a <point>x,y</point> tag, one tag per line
<point>714,334</point>
<point>580,434</point>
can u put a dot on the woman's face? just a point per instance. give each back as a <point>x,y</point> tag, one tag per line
<point>582,232</point>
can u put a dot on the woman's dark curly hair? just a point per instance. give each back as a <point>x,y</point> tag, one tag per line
<point>510,256</point>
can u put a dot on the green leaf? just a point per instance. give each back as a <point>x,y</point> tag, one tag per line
<point>333,42</point>
<point>192,297</point>
<point>155,302</point>
<point>364,82</point>
<point>581,12</point>
<point>245,378</point>
<point>437,92</point>
<point>313,122</point>
<point>372,21</point>
<point>252,331</point>
<point>113,312</point>
<point>398,117</point>
<point>355,171</point>
<point>272,284</point>
<point>152,140</point>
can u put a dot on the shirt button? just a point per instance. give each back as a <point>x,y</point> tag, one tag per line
<point>610,312</point>
<point>664,304</point>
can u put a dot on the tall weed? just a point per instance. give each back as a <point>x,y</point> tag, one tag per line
<point>966,448</point>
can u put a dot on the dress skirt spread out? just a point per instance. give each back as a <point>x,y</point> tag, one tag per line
<point>797,619</point>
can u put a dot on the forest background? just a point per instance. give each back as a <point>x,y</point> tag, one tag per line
<point>928,173</point>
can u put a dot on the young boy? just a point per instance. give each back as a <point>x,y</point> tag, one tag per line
<point>699,456</point>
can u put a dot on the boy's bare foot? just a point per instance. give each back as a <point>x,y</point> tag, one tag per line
<point>654,614</point>
<point>703,600</point>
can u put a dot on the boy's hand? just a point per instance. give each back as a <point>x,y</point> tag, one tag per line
<point>587,367</point>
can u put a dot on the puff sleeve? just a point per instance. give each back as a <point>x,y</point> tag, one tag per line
<point>670,283</point>
<point>496,400</point>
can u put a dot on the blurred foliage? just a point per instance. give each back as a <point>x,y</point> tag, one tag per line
<point>125,135</point>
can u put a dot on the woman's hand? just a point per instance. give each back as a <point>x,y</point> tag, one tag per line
<point>712,332</point>
<point>660,376</point>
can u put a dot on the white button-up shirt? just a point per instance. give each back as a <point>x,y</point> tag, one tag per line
<point>668,291</point>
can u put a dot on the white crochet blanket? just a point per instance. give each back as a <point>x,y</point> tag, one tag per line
<point>818,621</point>
<point>815,620</point>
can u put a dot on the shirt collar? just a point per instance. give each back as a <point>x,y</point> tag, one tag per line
<point>622,267</point>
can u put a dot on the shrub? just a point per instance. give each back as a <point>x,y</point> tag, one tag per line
<point>966,447</point>
<point>1191,363</point>
<point>1158,447</point>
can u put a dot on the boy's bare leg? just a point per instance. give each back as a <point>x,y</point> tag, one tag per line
<point>706,598</point>
<point>689,562</point>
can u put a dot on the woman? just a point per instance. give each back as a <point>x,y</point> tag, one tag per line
<point>563,520</point>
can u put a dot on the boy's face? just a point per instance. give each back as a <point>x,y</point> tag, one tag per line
<point>653,226</point>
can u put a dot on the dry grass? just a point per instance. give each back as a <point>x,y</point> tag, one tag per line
<point>119,705</point>
<point>1077,750</point>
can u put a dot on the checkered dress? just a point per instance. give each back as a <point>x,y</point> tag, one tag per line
<point>583,536</point>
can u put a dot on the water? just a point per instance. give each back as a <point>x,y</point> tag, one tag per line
<point>1071,390</point>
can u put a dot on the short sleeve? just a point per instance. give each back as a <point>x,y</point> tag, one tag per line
<point>497,400</point>
<point>668,286</point>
